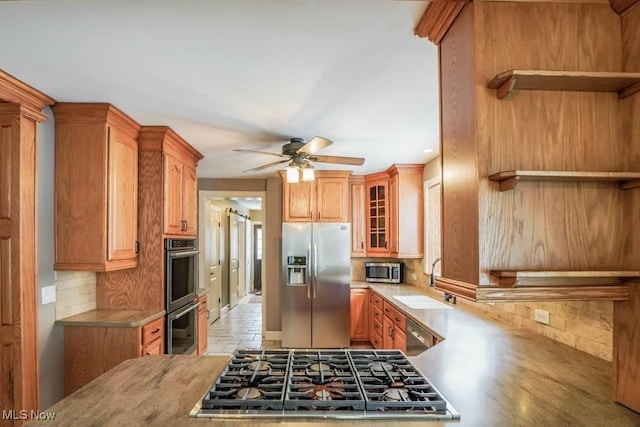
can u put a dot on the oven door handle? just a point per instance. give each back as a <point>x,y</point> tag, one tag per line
<point>185,311</point>
<point>178,254</point>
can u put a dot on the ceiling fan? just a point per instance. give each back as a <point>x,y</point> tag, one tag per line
<point>300,155</point>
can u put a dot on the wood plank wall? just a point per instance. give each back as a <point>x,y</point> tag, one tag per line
<point>626,315</point>
<point>550,225</point>
<point>459,162</point>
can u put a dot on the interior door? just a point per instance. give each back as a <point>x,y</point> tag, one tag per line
<point>212,260</point>
<point>242,255</point>
<point>233,260</point>
<point>248,257</point>
<point>257,257</point>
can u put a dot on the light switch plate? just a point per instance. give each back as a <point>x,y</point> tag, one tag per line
<point>541,316</point>
<point>48,294</point>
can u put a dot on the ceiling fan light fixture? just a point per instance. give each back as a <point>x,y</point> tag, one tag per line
<point>308,174</point>
<point>293,174</point>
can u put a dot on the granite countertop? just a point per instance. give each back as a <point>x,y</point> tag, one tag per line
<point>492,374</point>
<point>202,291</point>
<point>112,318</point>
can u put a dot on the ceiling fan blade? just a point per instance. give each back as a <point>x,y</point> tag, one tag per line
<point>314,145</point>
<point>357,161</point>
<point>260,152</point>
<point>268,165</point>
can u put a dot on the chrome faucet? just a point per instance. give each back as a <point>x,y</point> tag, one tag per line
<point>432,281</point>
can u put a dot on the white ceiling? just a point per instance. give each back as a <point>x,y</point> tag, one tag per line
<point>247,74</point>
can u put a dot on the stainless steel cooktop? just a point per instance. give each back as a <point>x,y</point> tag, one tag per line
<point>322,383</point>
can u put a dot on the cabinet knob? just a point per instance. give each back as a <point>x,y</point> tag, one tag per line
<point>155,331</point>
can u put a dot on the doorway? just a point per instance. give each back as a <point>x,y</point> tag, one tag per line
<point>257,259</point>
<point>228,249</point>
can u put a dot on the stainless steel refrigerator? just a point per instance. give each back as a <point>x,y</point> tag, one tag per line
<point>316,275</point>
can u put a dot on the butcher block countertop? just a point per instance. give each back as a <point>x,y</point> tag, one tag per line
<point>112,318</point>
<point>493,375</point>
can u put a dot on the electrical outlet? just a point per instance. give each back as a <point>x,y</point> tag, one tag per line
<point>541,316</point>
<point>48,294</point>
<point>413,276</point>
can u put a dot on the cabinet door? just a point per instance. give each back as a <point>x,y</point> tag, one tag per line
<point>359,314</point>
<point>332,199</point>
<point>203,323</point>
<point>399,340</point>
<point>189,200</point>
<point>172,196</point>
<point>153,348</point>
<point>394,228</point>
<point>387,332</point>
<point>298,202</point>
<point>358,201</point>
<point>378,218</point>
<point>122,203</point>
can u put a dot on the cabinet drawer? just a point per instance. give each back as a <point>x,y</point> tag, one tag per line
<point>376,300</point>
<point>152,331</point>
<point>376,341</point>
<point>395,316</point>
<point>377,314</point>
<point>377,327</point>
<point>153,348</point>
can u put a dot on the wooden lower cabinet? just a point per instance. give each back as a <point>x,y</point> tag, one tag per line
<point>90,351</point>
<point>359,330</point>
<point>386,324</point>
<point>203,323</point>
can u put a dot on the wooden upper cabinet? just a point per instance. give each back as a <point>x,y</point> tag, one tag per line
<point>406,206</point>
<point>323,200</point>
<point>332,198</point>
<point>96,188</point>
<point>190,200</point>
<point>172,196</point>
<point>298,201</point>
<point>123,196</point>
<point>377,214</point>
<point>357,215</point>
<point>180,182</point>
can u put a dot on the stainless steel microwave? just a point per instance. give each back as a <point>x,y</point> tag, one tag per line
<point>384,272</point>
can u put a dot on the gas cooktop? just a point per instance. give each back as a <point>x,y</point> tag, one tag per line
<point>322,383</point>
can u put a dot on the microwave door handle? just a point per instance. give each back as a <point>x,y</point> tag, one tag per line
<point>182,313</point>
<point>315,269</point>
<point>308,271</point>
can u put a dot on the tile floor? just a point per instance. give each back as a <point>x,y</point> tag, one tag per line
<point>240,327</point>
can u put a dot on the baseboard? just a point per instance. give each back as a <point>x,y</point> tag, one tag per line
<point>272,336</point>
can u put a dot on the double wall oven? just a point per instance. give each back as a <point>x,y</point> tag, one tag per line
<point>181,284</point>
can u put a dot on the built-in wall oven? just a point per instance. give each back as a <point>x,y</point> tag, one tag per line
<point>181,284</point>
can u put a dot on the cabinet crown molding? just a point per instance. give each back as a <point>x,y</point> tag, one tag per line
<point>163,138</point>
<point>16,91</point>
<point>99,112</point>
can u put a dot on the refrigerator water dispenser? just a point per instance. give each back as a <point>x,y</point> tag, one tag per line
<point>296,270</point>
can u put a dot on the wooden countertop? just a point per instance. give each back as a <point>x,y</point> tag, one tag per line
<point>492,374</point>
<point>111,318</point>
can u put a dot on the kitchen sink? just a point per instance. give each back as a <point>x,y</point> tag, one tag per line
<point>421,302</point>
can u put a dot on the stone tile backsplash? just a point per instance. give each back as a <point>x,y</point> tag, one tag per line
<point>75,293</point>
<point>585,325</point>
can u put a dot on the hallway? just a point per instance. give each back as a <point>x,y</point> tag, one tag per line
<point>241,327</point>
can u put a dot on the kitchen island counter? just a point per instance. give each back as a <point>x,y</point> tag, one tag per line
<point>492,374</point>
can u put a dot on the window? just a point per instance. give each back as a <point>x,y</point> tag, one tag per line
<point>432,227</point>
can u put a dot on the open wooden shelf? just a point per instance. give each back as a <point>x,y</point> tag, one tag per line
<point>625,84</point>
<point>509,179</point>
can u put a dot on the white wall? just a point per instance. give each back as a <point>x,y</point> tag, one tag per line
<point>50,336</point>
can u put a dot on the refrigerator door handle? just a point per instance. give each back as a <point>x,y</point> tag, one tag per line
<point>315,269</point>
<point>308,271</point>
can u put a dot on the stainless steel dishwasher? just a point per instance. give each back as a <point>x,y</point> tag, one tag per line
<point>419,338</point>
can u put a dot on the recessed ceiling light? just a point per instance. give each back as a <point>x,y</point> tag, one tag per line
<point>427,150</point>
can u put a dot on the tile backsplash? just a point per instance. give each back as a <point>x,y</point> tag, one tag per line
<point>585,325</point>
<point>75,293</point>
